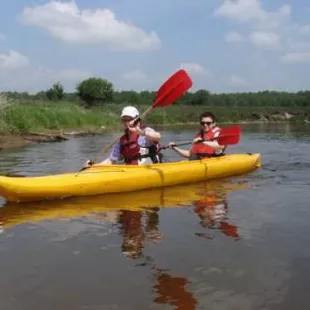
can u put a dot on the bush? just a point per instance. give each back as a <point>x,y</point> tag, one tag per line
<point>95,90</point>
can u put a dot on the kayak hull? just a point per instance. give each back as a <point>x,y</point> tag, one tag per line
<point>120,178</point>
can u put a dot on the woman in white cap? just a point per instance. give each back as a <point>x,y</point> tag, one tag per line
<point>138,145</point>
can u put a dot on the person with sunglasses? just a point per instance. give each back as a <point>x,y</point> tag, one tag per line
<point>138,145</point>
<point>201,148</point>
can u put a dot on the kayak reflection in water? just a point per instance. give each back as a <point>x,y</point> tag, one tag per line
<point>209,130</point>
<point>132,230</point>
<point>139,144</point>
<point>212,210</point>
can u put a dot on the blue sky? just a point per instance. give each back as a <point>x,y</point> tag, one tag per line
<point>226,46</point>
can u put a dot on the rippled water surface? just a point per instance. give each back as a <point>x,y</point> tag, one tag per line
<point>239,243</point>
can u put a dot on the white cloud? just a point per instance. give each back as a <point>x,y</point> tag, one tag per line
<point>136,75</point>
<point>271,30</point>
<point>245,11</point>
<point>234,37</point>
<point>239,10</point>
<point>66,22</point>
<point>238,81</point>
<point>13,60</point>
<point>195,68</point>
<point>301,57</point>
<point>268,40</point>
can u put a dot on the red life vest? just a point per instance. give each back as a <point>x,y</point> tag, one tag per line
<point>201,149</point>
<point>130,149</point>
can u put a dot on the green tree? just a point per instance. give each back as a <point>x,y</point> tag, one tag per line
<point>56,92</point>
<point>200,97</point>
<point>95,90</point>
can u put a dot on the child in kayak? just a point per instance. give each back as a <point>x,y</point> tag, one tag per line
<point>200,148</point>
<point>139,144</point>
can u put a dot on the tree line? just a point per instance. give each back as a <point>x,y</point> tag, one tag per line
<point>97,91</point>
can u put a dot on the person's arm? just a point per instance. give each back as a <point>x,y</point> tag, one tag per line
<point>183,153</point>
<point>114,156</point>
<point>214,145</point>
<point>149,134</point>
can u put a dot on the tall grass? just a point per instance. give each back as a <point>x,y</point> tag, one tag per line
<point>23,117</point>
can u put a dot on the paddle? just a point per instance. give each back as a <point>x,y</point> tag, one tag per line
<point>167,94</point>
<point>228,136</point>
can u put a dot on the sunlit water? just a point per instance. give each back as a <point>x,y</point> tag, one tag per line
<point>241,243</point>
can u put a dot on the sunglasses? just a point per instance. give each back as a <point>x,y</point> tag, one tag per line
<point>206,123</point>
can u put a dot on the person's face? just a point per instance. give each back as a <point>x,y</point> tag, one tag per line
<point>125,120</point>
<point>206,123</point>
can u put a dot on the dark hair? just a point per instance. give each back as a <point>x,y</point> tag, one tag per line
<point>207,114</point>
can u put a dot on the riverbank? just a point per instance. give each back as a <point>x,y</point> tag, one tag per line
<point>25,123</point>
<point>15,140</point>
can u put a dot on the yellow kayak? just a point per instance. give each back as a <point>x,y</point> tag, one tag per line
<point>120,178</point>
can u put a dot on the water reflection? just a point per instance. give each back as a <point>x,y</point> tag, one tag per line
<point>139,227</point>
<point>136,217</point>
<point>212,210</point>
<point>167,289</point>
<point>172,290</point>
<point>132,233</point>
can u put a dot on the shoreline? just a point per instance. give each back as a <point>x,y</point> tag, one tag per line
<point>18,140</point>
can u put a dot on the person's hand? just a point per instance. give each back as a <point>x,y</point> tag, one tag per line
<point>197,140</point>
<point>171,145</point>
<point>88,164</point>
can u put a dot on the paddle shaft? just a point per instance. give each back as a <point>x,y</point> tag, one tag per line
<point>181,144</point>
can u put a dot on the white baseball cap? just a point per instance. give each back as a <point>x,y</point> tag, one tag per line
<point>130,111</point>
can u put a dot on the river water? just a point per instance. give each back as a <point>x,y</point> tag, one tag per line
<point>239,243</point>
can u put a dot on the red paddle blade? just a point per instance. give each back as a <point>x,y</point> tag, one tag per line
<point>174,94</point>
<point>173,88</point>
<point>229,135</point>
<point>174,79</point>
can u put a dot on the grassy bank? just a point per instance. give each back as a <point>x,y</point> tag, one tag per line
<point>40,116</point>
<point>25,117</point>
